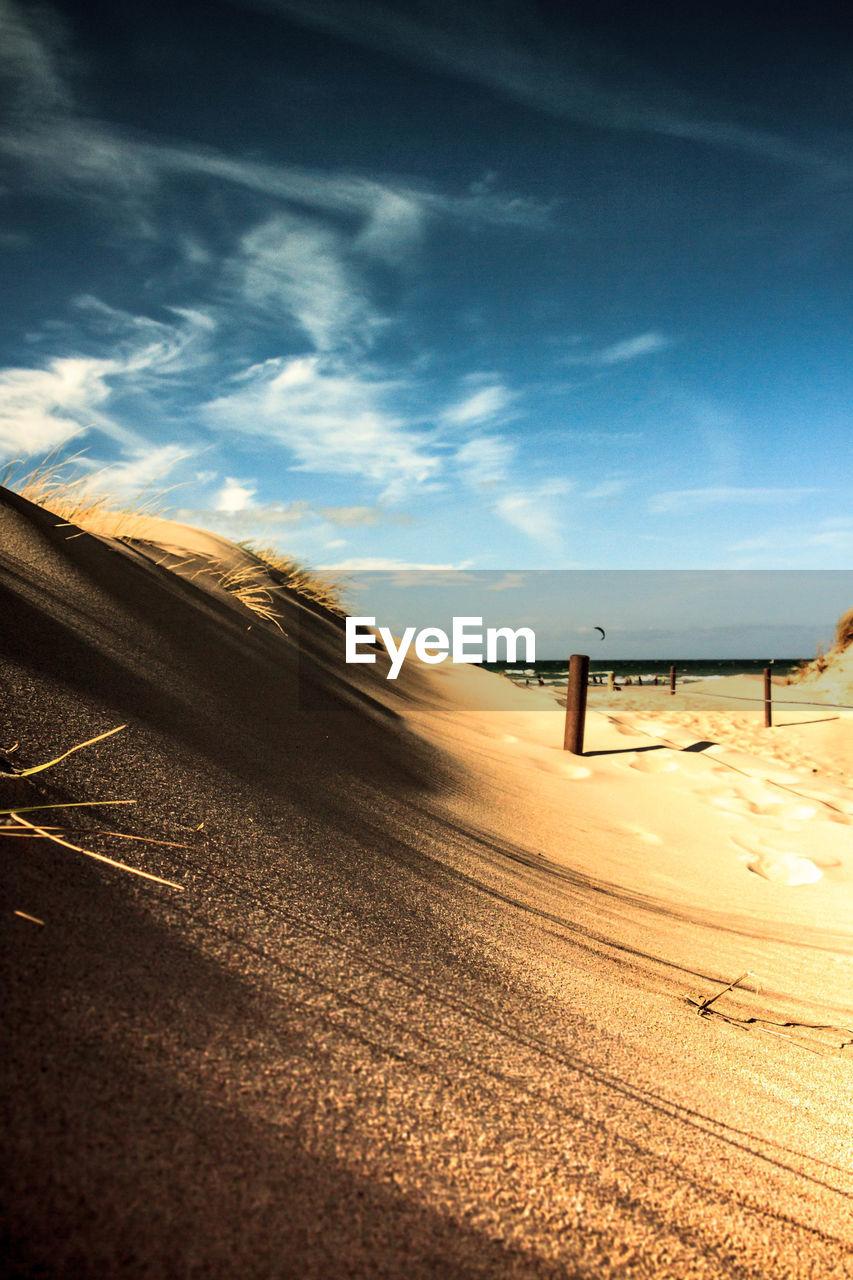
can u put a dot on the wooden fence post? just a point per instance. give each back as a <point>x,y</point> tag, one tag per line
<point>672,679</point>
<point>576,703</point>
<point>768,710</point>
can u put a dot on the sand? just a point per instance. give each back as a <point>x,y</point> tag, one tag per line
<point>427,999</point>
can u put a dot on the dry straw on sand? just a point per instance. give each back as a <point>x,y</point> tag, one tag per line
<point>23,826</point>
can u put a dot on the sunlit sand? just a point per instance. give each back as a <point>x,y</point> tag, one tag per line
<point>408,975</point>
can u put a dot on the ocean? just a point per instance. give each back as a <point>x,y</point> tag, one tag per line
<point>556,670</point>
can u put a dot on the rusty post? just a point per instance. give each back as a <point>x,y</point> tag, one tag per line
<point>768,709</point>
<point>672,678</point>
<point>576,703</point>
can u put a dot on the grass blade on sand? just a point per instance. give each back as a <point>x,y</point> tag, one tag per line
<point>39,768</point>
<point>99,857</point>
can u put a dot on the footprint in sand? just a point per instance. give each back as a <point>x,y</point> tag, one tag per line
<point>780,866</point>
<point>654,762</point>
<point>554,764</point>
<point>575,772</point>
<point>798,812</point>
<point>784,868</point>
<point>731,802</point>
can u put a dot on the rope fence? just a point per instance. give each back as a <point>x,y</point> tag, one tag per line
<point>782,702</point>
<point>578,681</point>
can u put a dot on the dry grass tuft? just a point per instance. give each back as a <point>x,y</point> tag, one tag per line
<point>80,500</point>
<point>244,583</point>
<point>844,632</point>
<point>317,587</point>
<point>83,502</point>
<point>823,661</point>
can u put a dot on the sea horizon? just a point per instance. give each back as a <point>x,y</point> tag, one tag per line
<point>553,670</point>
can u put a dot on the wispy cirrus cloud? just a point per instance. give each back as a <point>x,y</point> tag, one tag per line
<point>481,405</point>
<point>143,468</point>
<point>628,349</point>
<point>362,517</point>
<point>484,462</point>
<point>535,512</point>
<point>289,266</point>
<point>57,147</point>
<point>147,346</point>
<point>383,564</point>
<point>42,407</point>
<point>29,64</point>
<point>97,161</point>
<point>332,420</point>
<point>797,543</point>
<point>675,501</point>
<point>482,48</point>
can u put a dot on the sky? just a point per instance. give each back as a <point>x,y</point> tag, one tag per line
<point>494,286</point>
<point>657,614</point>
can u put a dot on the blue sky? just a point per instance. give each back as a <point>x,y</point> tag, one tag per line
<point>495,286</point>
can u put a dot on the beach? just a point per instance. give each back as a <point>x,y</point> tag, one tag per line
<point>408,989</point>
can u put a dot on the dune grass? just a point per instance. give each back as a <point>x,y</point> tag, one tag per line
<point>86,502</point>
<point>244,583</point>
<point>318,587</point>
<point>824,660</point>
<point>844,632</point>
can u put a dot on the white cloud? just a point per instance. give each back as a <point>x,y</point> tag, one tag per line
<point>534,512</point>
<point>97,161</point>
<point>480,406</point>
<point>236,514</point>
<point>642,344</point>
<point>29,64</point>
<point>393,227</point>
<point>235,496</point>
<point>40,408</point>
<point>833,535</point>
<point>145,347</point>
<point>815,544</point>
<point>484,461</point>
<point>290,265</point>
<point>332,420</point>
<point>88,159</point>
<point>143,466</point>
<point>678,500</point>
<point>43,408</point>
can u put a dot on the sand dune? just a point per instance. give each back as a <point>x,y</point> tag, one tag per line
<point>421,1004</point>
